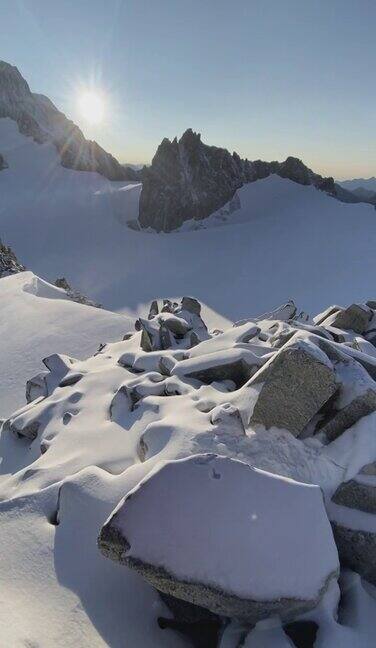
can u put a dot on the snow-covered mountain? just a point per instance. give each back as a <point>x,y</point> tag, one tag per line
<point>363,188</point>
<point>229,466</point>
<point>37,117</point>
<point>64,223</point>
<point>366,183</point>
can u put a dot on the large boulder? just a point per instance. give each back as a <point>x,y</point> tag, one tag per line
<point>235,364</point>
<point>355,317</point>
<point>355,398</point>
<point>352,512</point>
<point>293,386</point>
<point>230,538</point>
<point>362,405</point>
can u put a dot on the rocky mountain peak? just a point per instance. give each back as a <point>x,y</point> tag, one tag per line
<point>9,263</point>
<point>37,117</point>
<point>12,81</point>
<point>190,180</point>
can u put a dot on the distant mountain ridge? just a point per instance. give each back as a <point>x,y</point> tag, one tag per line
<point>356,183</point>
<point>38,118</point>
<point>363,188</point>
<point>190,180</point>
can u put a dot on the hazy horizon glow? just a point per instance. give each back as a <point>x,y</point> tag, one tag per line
<point>267,79</point>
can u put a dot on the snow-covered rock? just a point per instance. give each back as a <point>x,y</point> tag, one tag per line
<point>353,516</point>
<point>220,534</point>
<point>95,430</point>
<point>355,317</point>
<point>175,326</point>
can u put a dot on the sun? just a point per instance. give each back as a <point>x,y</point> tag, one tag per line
<point>91,107</point>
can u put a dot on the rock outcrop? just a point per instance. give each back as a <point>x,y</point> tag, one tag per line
<point>176,325</point>
<point>9,263</point>
<point>190,180</point>
<point>37,117</point>
<point>353,516</point>
<point>75,295</point>
<point>199,502</point>
<point>294,385</point>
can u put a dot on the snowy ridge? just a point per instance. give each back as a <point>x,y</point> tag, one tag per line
<point>37,117</point>
<point>141,415</point>
<point>39,319</point>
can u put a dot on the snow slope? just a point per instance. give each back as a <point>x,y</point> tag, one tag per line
<point>37,320</point>
<point>290,240</point>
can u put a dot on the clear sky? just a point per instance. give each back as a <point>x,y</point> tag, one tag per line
<point>267,78</point>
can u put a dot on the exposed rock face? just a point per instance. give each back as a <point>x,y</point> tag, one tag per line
<point>352,514</point>
<point>38,118</point>
<point>188,179</point>
<point>355,317</point>
<point>295,384</point>
<point>345,418</point>
<point>9,263</point>
<point>181,501</point>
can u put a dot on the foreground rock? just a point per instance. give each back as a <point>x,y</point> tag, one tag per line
<point>173,326</point>
<point>355,317</point>
<point>294,385</point>
<point>217,533</point>
<point>353,515</point>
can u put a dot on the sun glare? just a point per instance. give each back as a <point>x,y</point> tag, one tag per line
<point>91,107</point>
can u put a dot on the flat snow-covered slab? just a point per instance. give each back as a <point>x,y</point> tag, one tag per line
<point>217,522</point>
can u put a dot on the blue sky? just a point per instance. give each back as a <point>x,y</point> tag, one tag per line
<point>267,78</point>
